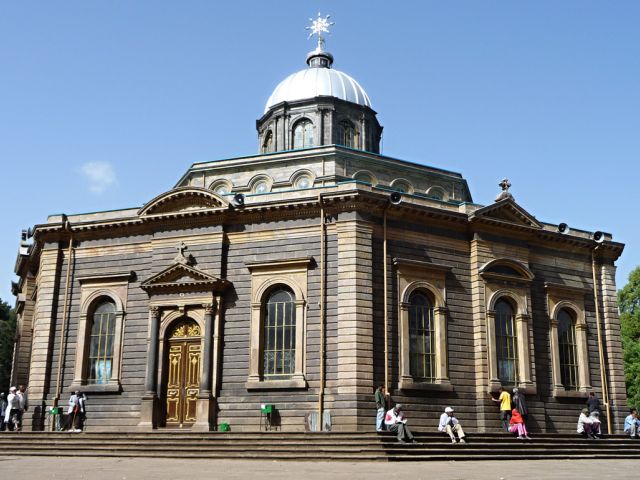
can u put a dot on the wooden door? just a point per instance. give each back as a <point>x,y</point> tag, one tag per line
<point>183,381</point>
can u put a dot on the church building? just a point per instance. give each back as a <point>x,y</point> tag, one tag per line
<point>303,277</point>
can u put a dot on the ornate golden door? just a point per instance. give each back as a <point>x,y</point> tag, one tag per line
<point>183,373</point>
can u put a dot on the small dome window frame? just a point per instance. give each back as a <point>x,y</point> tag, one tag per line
<point>297,177</point>
<point>221,182</point>
<point>437,192</point>
<point>374,181</point>
<point>260,179</point>
<point>398,183</point>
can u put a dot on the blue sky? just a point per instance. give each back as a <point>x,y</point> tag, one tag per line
<point>105,104</point>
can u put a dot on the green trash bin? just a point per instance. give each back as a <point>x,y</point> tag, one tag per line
<point>224,427</point>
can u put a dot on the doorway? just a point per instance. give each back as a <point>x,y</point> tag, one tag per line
<point>184,354</point>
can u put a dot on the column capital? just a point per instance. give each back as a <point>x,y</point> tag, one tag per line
<point>209,308</point>
<point>154,311</point>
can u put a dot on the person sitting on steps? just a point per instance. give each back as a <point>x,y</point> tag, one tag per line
<point>632,424</point>
<point>586,425</point>
<point>516,425</point>
<point>450,425</point>
<point>397,423</point>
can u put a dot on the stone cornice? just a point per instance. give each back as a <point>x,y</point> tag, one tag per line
<point>288,263</point>
<point>335,199</point>
<point>107,277</point>
<point>417,264</point>
<point>557,287</point>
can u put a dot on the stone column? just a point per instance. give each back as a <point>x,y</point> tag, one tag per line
<point>205,382</point>
<point>555,356</point>
<point>405,353</point>
<point>149,403</point>
<point>583,357</point>
<point>204,404</point>
<point>442,367</point>
<point>524,354</point>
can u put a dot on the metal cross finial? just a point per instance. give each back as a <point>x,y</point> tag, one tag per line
<point>318,27</point>
<point>505,184</point>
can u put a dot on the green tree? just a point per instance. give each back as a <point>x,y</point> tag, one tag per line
<point>629,303</point>
<point>7,334</point>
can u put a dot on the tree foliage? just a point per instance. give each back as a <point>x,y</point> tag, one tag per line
<point>629,303</point>
<point>7,335</point>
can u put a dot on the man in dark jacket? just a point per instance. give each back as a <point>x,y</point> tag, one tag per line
<point>519,403</point>
<point>593,403</point>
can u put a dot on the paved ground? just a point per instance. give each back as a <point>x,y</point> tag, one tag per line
<point>35,468</point>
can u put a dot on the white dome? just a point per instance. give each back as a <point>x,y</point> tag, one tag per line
<point>314,82</point>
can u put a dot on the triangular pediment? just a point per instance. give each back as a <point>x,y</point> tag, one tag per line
<point>506,212</point>
<point>182,277</point>
<point>183,199</point>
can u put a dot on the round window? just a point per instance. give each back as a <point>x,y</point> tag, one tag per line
<point>222,190</point>
<point>303,182</point>
<point>261,187</point>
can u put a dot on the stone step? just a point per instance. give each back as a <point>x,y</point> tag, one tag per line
<point>307,446</point>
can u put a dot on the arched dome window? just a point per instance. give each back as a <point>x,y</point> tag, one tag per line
<point>348,135</point>
<point>303,134</point>
<point>267,144</point>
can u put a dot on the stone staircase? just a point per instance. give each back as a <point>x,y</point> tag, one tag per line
<point>310,446</point>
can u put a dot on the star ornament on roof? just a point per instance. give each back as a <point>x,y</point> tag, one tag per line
<point>318,27</point>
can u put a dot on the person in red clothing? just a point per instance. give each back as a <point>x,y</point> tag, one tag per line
<point>516,425</point>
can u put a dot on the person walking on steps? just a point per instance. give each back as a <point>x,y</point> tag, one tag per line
<point>12,412</point>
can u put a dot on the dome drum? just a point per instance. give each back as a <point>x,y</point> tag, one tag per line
<point>332,121</point>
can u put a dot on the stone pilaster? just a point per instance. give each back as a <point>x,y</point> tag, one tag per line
<point>44,323</point>
<point>481,323</point>
<point>613,345</point>
<point>24,334</point>
<point>149,404</point>
<point>355,316</point>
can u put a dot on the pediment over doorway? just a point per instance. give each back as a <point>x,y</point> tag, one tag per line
<point>183,199</point>
<point>181,277</point>
<point>506,212</point>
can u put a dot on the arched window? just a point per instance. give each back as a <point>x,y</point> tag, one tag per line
<point>422,349</point>
<point>348,135</point>
<point>267,145</point>
<point>101,343</point>
<point>303,135</point>
<point>279,334</point>
<point>506,343</point>
<point>568,351</point>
